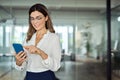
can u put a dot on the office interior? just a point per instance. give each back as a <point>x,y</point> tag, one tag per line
<point>82,28</point>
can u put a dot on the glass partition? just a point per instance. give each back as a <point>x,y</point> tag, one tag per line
<point>115,40</point>
<point>81,26</point>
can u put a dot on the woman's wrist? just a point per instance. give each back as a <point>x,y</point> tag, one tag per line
<point>42,54</point>
<point>38,51</point>
<point>18,63</point>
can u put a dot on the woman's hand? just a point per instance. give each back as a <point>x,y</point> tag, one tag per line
<point>20,58</point>
<point>35,50</point>
<point>32,49</point>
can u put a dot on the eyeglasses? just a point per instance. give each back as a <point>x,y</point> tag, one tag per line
<point>37,18</point>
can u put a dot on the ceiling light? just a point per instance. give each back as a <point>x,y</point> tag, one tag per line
<point>118,18</point>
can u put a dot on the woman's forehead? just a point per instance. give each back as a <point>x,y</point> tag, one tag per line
<point>36,13</point>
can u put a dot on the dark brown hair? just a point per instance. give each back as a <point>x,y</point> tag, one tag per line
<point>42,9</point>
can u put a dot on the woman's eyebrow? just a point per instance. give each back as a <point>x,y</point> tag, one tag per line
<point>36,16</point>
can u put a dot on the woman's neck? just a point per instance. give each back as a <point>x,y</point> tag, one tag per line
<point>41,32</point>
<point>39,35</point>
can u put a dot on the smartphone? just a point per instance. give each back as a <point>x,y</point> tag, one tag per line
<point>17,47</point>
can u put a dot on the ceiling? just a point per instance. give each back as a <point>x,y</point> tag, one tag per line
<point>8,6</point>
<point>60,4</point>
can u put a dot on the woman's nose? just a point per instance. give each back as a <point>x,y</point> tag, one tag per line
<point>35,21</point>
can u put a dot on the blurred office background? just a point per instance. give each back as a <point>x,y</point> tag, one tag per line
<point>82,27</point>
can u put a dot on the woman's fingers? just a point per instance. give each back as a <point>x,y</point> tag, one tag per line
<point>31,48</point>
<point>20,55</point>
<point>26,47</point>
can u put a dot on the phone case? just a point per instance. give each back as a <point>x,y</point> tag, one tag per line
<point>17,47</point>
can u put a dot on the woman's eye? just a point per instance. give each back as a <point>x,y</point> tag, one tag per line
<point>38,18</point>
<point>31,18</point>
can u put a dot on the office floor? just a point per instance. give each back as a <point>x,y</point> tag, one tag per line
<point>70,70</point>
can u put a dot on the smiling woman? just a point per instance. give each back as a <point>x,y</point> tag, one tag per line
<point>38,20</point>
<point>43,58</point>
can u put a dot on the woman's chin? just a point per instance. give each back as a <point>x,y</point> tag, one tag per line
<point>36,28</point>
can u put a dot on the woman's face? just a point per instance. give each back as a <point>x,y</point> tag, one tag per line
<point>38,20</point>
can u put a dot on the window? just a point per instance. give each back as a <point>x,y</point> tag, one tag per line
<point>20,33</point>
<point>8,35</point>
<point>65,33</point>
<point>1,36</point>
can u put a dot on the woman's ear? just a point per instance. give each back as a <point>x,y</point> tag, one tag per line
<point>46,18</point>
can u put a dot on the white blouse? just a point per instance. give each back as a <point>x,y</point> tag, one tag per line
<point>50,44</point>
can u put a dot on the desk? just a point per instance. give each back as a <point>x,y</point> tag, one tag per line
<point>115,51</point>
<point>116,62</point>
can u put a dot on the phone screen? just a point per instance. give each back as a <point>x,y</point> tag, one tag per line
<point>17,47</point>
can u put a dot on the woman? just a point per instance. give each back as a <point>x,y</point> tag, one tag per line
<point>42,53</point>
